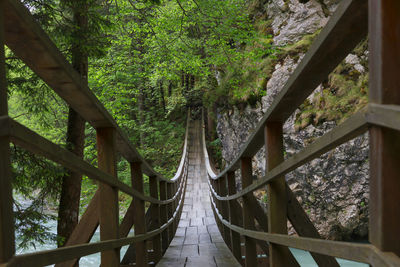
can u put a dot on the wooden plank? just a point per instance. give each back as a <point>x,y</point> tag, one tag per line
<point>155,218</point>
<point>7,237</point>
<point>139,214</point>
<point>164,215</point>
<point>349,129</point>
<point>235,237</point>
<point>384,142</point>
<point>345,29</point>
<point>109,213</point>
<point>276,192</point>
<point>304,227</point>
<point>248,213</point>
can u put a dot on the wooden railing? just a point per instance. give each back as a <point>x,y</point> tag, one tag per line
<point>345,29</point>
<point>22,34</point>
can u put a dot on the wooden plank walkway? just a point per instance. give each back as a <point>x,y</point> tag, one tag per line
<point>197,241</point>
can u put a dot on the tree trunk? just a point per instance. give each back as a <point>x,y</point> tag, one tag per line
<point>71,186</point>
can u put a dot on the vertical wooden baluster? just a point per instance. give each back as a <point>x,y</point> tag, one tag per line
<point>155,217</point>
<point>109,214</point>
<point>235,237</point>
<point>164,215</point>
<point>176,205</point>
<point>225,209</point>
<point>7,237</point>
<point>248,213</point>
<point>169,210</point>
<point>384,205</point>
<point>276,195</point>
<point>218,204</point>
<point>139,220</point>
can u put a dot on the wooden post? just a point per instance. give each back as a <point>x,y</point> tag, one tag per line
<point>248,213</point>
<point>164,215</point>
<point>170,213</point>
<point>176,205</point>
<point>384,46</point>
<point>235,237</point>
<point>109,213</point>
<point>155,217</point>
<point>7,237</point>
<point>139,220</point>
<point>276,194</point>
<point>224,208</point>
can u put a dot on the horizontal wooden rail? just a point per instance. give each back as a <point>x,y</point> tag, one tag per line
<point>53,256</point>
<point>30,43</point>
<point>37,144</point>
<point>345,29</point>
<point>352,251</point>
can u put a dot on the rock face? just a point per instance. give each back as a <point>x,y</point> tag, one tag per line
<point>333,189</point>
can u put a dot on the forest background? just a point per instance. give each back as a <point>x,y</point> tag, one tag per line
<point>147,61</point>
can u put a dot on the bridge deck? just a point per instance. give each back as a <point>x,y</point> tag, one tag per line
<point>197,241</point>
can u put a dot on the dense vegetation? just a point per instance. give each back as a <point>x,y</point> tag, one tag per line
<point>146,61</point>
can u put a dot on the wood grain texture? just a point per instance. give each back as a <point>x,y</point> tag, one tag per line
<point>384,142</point>
<point>7,237</point>
<point>109,213</point>
<point>248,214</point>
<point>139,215</point>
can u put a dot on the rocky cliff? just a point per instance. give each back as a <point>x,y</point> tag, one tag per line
<point>333,189</point>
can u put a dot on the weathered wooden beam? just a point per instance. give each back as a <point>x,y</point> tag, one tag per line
<point>164,215</point>
<point>130,254</point>
<point>155,218</point>
<point>248,214</point>
<point>276,193</point>
<point>224,209</point>
<point>139,215</point>
<point>7,237</point>
<point>384,206</point>
<point>233,219</point>
<point>109,213</point>
<point>170,212</point>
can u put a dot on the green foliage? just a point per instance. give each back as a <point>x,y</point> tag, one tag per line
<point>345,93</point>
<point>34,195</point>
